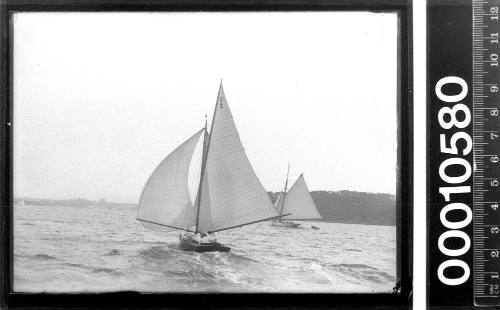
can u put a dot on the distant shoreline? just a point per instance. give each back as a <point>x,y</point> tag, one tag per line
<point>347,207</point>
<point>39,203</point>
<point>79,202</point>
<point>344,222</point>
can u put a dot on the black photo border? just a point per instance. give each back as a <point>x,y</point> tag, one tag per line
<point>400,299</point>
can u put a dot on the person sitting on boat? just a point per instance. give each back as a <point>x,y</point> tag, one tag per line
<point>197,238</point>
<point>204,237</point>
<point>210,237</point>
<point>213,238</point>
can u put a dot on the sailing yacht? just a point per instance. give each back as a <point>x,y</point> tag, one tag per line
<point>229,194</point>
<point>296,204</point>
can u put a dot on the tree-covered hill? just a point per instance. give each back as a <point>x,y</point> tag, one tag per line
<point>354,207</point>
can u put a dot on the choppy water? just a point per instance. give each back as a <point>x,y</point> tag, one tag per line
<point>71,249</point>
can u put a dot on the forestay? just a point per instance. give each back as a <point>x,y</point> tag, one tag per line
<point>235,195</point>
<point>299,203</point>
<point>165,203</point>
<point>277,203</point>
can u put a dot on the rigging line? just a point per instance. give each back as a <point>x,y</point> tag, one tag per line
<point>205,155</point>
<point>284,193</point>
<point>202,172</point>
<point>239,216</point>
<point>185,229</point>
<point>269,218</point>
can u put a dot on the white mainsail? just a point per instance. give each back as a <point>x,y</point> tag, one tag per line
<point>299,203</point>
<point>165,203</point>
<point>232,195</point>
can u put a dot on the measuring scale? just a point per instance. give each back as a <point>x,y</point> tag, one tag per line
<point>486,147</point>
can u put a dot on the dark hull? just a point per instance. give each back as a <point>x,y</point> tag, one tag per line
<point>194,246</point>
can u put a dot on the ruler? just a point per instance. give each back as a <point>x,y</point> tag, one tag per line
<point>486,148</point>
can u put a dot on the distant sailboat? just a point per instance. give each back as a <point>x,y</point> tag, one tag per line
<point>229,194</point>
<point>297,202</point>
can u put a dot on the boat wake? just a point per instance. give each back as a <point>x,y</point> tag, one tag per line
<point>157,252</point>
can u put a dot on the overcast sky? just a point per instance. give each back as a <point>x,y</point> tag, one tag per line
<point>101,98</point>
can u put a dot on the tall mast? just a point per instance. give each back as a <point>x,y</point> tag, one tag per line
<point>206,145</point>
<point>284,193</point>
<point>203,160</point>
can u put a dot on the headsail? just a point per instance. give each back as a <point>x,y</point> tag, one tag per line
<point>277,203</point>
<point>165,202</point>
<point>299,203</point>
<point>234,194</point>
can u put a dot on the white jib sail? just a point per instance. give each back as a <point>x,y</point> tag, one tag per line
<point>165,203</point>
<point>299,203</point>
<point>235,195</point>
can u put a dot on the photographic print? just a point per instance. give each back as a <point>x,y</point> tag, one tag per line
<point>205,151</point>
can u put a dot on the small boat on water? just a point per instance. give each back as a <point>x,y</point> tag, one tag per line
<point>195,243</point>
<point>295,204</point>
<point>228,195</point>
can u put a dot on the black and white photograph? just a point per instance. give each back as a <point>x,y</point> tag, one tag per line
<point>205,152</point>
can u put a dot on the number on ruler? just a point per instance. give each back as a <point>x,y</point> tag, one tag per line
<point>494,60</point>
<point>494,11</point>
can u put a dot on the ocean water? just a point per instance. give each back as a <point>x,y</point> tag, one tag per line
<point>95,249</point>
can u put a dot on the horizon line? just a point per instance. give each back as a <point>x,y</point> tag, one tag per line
<point>135,202</point>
